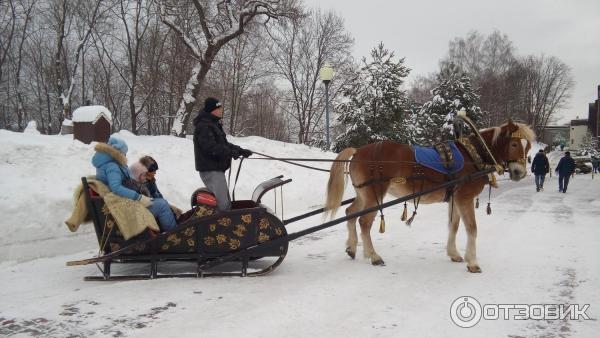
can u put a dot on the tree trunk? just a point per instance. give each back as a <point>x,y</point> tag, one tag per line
<point>192,89</point>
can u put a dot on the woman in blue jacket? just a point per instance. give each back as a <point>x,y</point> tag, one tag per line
<point>111,168</point>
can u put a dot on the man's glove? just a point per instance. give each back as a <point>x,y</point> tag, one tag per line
<point>245,153</point>
<point>145,200</point>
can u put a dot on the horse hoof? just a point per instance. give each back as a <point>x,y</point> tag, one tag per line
<point>456,259</point>
<point>350,253</point>
<point>474,269</point>
<point>378,262</point>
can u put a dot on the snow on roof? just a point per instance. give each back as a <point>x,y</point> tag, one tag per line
<point>67,122</point>
<point>91,114</point>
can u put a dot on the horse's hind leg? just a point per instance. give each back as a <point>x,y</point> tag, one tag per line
<point>453,221</point>
<point>352,235</point>
<point>366,222</point>
<point>467,213</point>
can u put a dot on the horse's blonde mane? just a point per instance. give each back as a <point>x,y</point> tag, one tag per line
<point>524,130</point>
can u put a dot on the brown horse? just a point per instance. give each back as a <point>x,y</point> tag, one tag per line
<point>508,143</point>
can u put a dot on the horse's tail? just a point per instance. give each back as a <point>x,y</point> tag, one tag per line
<point>337,181</point>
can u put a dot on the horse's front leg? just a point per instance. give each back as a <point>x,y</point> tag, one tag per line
<point>453,221</point>
<point>466,209</point>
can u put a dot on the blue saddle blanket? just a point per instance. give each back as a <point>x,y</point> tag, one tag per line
<point>430,158</point>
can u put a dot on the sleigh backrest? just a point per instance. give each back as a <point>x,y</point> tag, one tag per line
<point>95,204</point>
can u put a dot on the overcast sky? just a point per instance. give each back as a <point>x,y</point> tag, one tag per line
<point>421,29</point>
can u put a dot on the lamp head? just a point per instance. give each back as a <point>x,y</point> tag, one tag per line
<point>326,73</point>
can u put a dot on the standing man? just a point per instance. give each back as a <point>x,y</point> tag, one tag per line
<point>212,152</point>
<point>540,167</point>
<point>565,168</point>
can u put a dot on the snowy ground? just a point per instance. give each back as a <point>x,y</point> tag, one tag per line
<point>535,248</point>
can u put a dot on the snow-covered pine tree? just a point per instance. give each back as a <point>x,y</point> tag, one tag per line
<point>375,104</point>
<point>590,145</point>
<point>434,121</point>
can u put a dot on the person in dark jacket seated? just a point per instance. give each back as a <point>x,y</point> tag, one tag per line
<point>213,153</point>
<point>152,166</point>
<point>111,169</point>
<point>540,167</point>
<point>565,168</point>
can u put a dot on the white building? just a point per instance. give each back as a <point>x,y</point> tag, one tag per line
<point>577,132</point>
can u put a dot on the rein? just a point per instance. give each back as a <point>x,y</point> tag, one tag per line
<point>289,161</point>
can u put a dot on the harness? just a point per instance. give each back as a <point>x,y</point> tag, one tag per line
<point>476,147</point>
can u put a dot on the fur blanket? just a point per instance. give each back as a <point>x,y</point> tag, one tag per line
<point>131,216</point>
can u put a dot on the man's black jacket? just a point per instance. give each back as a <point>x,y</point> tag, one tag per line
<point>212,152</point>
<point>540,165</point>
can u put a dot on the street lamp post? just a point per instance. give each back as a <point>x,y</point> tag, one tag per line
<point>326,75</point>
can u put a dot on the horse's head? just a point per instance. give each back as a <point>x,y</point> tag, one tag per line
<point>511,143</point>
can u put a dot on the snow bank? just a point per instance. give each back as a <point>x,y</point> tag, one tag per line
<point>40,172</point>
<point>31,128</point>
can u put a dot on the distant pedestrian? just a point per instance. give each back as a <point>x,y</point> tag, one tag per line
<point>595,164</point>
<point>562,145</point>
<point>540,167</point>
<point>564,169</point>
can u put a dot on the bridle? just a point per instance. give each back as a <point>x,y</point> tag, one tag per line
<point>518,136</point>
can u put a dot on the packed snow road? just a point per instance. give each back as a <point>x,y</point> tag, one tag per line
<point>535,248</point>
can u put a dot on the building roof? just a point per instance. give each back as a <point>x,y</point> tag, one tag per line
<point>579,122</point>
<point>91,114</point>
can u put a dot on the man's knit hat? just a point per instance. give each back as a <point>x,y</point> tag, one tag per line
<point>211,104</point>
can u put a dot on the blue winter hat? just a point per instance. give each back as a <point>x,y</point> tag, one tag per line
<point>118,144</point>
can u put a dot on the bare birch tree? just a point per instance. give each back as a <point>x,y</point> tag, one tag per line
<point>300,50</point>
<point>27,9</point>
<point>7,31</point>
<point>545,84</point>
<point>237,69</point>
<point>63,15</point>
<point>215,23</point>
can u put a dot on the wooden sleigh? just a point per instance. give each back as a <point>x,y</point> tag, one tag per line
<point>204,235</point>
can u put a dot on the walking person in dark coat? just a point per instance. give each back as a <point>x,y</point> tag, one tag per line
<point>540,167</point>
<point>565,168</point>
<point>212,152</point>
<point>595,164</point>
